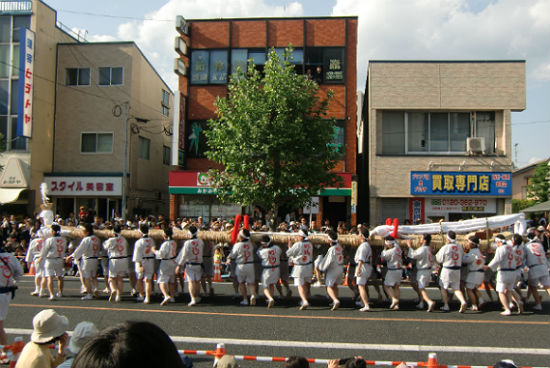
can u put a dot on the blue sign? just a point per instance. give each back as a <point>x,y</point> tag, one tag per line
<point>461,183</point>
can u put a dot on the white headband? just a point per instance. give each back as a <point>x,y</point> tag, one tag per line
<point>241,234</point>
<point>302,234</point>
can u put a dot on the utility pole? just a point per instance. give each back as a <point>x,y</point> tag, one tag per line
<point>125,161</point>
<point>516,153</point>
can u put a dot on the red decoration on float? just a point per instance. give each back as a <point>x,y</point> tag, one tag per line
<point>394,234</point>
<point>246,223</point>
<point>236,227</point>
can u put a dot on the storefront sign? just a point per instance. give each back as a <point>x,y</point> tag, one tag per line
<point>441,206</point>
<point>461,183</point>
<point>77,186</point>
<point>26,78</point>
<point>15,7</point>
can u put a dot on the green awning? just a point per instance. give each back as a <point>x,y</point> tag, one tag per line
<point>539,207</point>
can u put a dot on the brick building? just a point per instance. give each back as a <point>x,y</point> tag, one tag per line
<point>437,138</point>
<point>210,50</point>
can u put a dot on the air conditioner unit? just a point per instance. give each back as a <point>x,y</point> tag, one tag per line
<point>179,67</point>
<point>181,25</point>
<point>180,46</point>
<point>475,145</point>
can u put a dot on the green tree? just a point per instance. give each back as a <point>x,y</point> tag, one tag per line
<point>273,138</point>
<point>539,185</point>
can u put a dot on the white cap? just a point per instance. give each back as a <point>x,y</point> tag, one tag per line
<point>83,332</point>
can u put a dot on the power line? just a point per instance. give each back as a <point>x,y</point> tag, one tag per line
<point>532,122</point>
<point>112,16</point>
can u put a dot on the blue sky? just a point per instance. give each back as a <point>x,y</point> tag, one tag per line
<point>388,29</point>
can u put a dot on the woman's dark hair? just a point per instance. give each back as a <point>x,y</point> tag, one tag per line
<point>117,228</point>
<point>88,228</point>
<point>168,232</point>
<point>427,238</point>
<point>129,345</point>
<point>56,229</point>
<point>296,362</point>
<point>518,239</point>
<point>144,228</point>
<point>356,363</point>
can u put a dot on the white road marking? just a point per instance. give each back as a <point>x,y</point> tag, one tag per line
<point>340,345</point>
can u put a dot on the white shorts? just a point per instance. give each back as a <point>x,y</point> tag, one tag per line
<point>366,271</point>
<point>245,273</point>
<point>503,286</point>
<point>193,272</point>
<point>54,267</point>
<point>38,268</point>
<point>393,277</point>
<point>88,268</point>
<point>4,305</point>
<point>542,280</point>
<point>270,276</point>
<point>148,269</point>
<point>507,277</point>
<point>300,281</point>
<point>474,279</point>
<point>423,278</point>
<point>167,272</point>
<point>302,271</point>
<point>118,267</point>
<point>333,277</point>
<point>449,279</point>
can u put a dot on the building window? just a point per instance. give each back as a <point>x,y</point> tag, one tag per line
<point>209,67</point>
<point>144,146</point>
<point>325,64</point>
<point>196,144</point>
<point>165,103</point>
<point>110,76</point>
<point>405,132</point>
<point>78,77</point>
<point>96,143</point>
<point>166,155</point>
<point>240,57</point>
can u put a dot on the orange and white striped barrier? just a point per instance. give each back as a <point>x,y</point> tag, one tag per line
<point>431,363</point>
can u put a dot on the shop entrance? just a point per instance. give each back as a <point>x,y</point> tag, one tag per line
<point>335,209</point>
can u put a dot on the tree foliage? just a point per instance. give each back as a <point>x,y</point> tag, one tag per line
<point>539,185</point>
<point>273,137</point>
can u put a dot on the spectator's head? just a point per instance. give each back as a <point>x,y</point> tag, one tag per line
<point>48,326</point>
<point>82,333</point>
<point>129,345</point>
<point>507,363</point>
<point>227,361</point>
<point>296,362</point>
<point>355,363</point>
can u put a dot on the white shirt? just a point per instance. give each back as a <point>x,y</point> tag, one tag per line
<point>450,255</point>
<point>54,247</point>
<point>423,256</point>
<point>242,253</point>
<point>301,253</point>
<point>474,260</point>
<point>116,247</point>
<point>89,248</point>
<point>270,257</point>
<point>13,270</point>
<point>393,257</point>
<point>167,250</point>
<point>34,249</point>
<point>143,248</point>
<point>192,252</point>
<point>333,259</point>
<point>363,253</point>
<point>504,258</point>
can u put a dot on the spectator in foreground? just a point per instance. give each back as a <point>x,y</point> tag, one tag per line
<point>296,362</point>
<point>129,345</point>
<point>48,328</point>
<point>83,332</point>
<point>227,361</point>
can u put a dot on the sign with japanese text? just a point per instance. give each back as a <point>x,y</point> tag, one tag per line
<point>416,210</point>
<point>15,7</point>
<point>441,206</point>
<point>461,183</point>
<point>26,70</point>
<point>78,186</point>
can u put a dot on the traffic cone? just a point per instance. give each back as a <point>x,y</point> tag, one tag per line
<point>346,276</point>
<point>32,270</point>
<point>219,353</point>
<point>217,272</point>
<point>432,361</point>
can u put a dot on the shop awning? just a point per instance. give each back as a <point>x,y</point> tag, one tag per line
<point>8,195</point>
<point>539,207</point>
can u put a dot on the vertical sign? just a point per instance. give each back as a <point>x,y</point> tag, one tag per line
<point>354,196</point>
<point>416,210</point>
<point>181,131</point>
<point>26,69</point>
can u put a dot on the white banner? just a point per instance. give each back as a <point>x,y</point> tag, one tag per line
<point>460,227</point>
<point>442,206</point>
<point>26,80</point>
<point>78,186</point>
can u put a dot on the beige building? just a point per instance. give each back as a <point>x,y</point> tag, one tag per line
<point>439,139</point>
<point>26,159</point>
<point>521,178</point>
<point>73,96</point>
<point>109,94</point>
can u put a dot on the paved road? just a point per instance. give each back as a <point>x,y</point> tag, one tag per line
<point>381,334</point>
